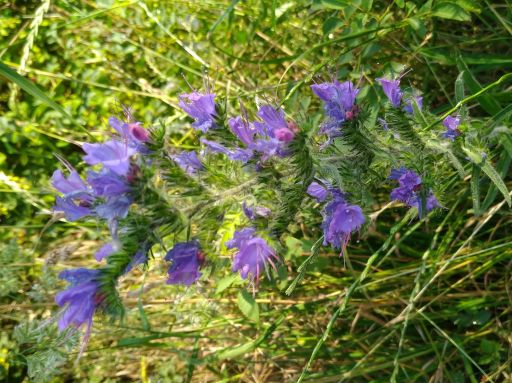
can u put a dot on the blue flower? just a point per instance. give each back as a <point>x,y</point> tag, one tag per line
<point>114,208</point>
<point>242,129</point>
<point>72,186</point>
<point>201,107</point>
<point>254,212</point>
<point>69,207</point>
<point>317,191</point>
<point>392,90</point>
<point>132,132</point>
<point>253,254</point>
<point>339,105</point>
<point>341,219</point>
<point>113,155</point>
<point>81,299</point>
<point>408,106</point>
<point>452,127</point>
<point>107,183</point>
<point>104,251</point>
<point>408,191</point>
<point>188,162</point>
<point>139,258</point>
<point>238,154</point>
<point>274,124</point>
<point>186,259</point>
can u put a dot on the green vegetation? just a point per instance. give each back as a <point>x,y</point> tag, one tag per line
<point>415,301</point>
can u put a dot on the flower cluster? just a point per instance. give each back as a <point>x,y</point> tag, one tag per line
<point>339,105</point>
<point>253,254</point>
<point>105,194</point>
<point>341,218</point>
<point>186,258</point>
<point>119,166</point>
<point>409,190</point>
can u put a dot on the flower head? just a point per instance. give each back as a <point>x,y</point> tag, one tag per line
<point>254,212</point>
<point>113,155</point>
<point>104,251</point>
<point>186,259</point>
<point>72,186</point>
<point>201,107</point>
<point>408,108</point>
<point>81,299</point>
<point>340,220</point>
<point>339,105</point>
<point>274,124</point>
<point>71,209</point>
<point>242,129</point>
<point>253,254</point>
<point>188,162</point>
<point>452,127</point>
<point>392,90</point>
<point>317,191</point>
<point>409,190</point>
<point>107,183</point>
<point>132,132</point>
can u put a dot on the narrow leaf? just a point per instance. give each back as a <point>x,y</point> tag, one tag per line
<point>248,305</point>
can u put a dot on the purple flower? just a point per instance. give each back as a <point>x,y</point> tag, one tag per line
<point>186,259</point>
<point>253,254</point>
<point>114,208</point>
<point>242,155</point>
<point>254,212</point>
<point>317,191</point>
<point>240,237</point>
<point>138,258</point>
<point>269,148</point>
<point>69,207</point>
<point>383,123</point>
<point>452,127</point>
<point>113,155</point>
<point>81,299</point>
<point>104,251</point>
<point>274,124</point>
<point>214,147</point>
<point>392,90</point>
<point>237,154</point>
<point>242,129</point>
<point>408,106</point>
<point>339,105</point>
<point>133,132</point>
<point>72,186</point>
<point>107,183</point>
<point>339,98</point>
<point>408,191</point>
<point>201,107</point>
<point>188,162</point>
<point>340,220</point>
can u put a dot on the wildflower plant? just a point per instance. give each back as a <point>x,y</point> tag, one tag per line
<point>272,168</point>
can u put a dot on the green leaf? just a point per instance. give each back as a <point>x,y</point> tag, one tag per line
<point>450,11</point>
<point>459,87</point>
<point>475,189</point>
<point>248,305</point>
<point>331,24</point>
<point>333,4</point>
<point>225,282</point>
<point>479,160</point>
<point>489,104</point>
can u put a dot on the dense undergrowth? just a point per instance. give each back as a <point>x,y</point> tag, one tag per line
<point>412,300</point>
